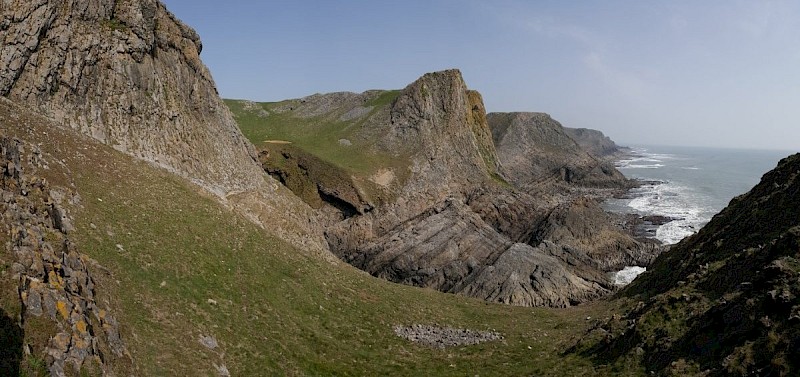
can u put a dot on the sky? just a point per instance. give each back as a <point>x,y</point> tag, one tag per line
<point>690,73</point>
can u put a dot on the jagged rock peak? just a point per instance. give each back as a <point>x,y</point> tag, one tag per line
<point>127,73</point>
<point>447,121</point>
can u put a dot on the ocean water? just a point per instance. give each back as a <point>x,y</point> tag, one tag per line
<point>693,184</point>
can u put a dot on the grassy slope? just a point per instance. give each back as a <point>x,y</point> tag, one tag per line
<point>318,135</point>
<point>277,309</point>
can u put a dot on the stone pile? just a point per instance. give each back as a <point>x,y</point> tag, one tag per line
<point>441,337</point>
<point>54,281</point>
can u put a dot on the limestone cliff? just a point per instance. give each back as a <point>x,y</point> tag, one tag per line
<point>128,73</point>
<point>536,150</point>
<point>594,142</point>
<point>723,301</point>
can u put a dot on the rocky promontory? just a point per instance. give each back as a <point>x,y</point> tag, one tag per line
<point>452,199</point>
<point>535,150</point>
<point>595,142</point>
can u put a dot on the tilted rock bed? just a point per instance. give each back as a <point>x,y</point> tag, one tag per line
<point>441,337</point>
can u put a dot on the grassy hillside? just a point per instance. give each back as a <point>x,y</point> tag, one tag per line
<point>319,134</point>
<point>175,266</point>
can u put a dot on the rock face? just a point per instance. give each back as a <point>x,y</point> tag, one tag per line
<point>583,224</point>
<point>536,151</point>
<point>451,249</point>
<point>730,292</point>
<point>128,73</point>
<point>447,218</point>
<point>594,142</point>
<point>54,283</point>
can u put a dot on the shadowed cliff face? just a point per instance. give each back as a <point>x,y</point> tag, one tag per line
<point>724,300</point>
<point>129,74</point>
<point>10,344</point>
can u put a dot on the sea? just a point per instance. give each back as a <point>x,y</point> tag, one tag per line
<point>689,184</point>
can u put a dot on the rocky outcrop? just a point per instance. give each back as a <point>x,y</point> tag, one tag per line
<point>317,182</point>
<point>729,293</point>
<point>55,285</point>
<point>451,249</point>
<point>457,226</point>
<point>594,142</point>
<point>536,151</point>
<point>582,224</point>
<point>420,194</point>
<point>128,73</point>
<point>441,126</point>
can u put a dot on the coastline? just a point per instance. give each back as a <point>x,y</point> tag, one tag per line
<point>642,227</point>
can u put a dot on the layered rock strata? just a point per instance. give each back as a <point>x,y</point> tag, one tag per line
<point>537,151</point>
<point>454,222</point>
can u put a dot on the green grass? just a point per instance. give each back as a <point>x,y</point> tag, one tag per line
<point>319,135</point>
<point>113,24</point>
<point>278,310</point>
<point>385,98</point>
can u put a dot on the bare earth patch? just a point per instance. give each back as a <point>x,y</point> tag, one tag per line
<point>383,177</point>
<point>277,141</point>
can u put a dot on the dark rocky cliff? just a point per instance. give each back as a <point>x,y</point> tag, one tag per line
<point>725,300</point>
<point>536,150</point>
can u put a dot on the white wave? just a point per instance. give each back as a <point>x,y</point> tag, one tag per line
<point>643,166</point>
<point>686,204</point>
<point>627,274</point>
<point>671,200</point>
<point>641,159</point>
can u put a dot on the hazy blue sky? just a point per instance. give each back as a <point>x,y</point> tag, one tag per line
<point>710,73</point>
